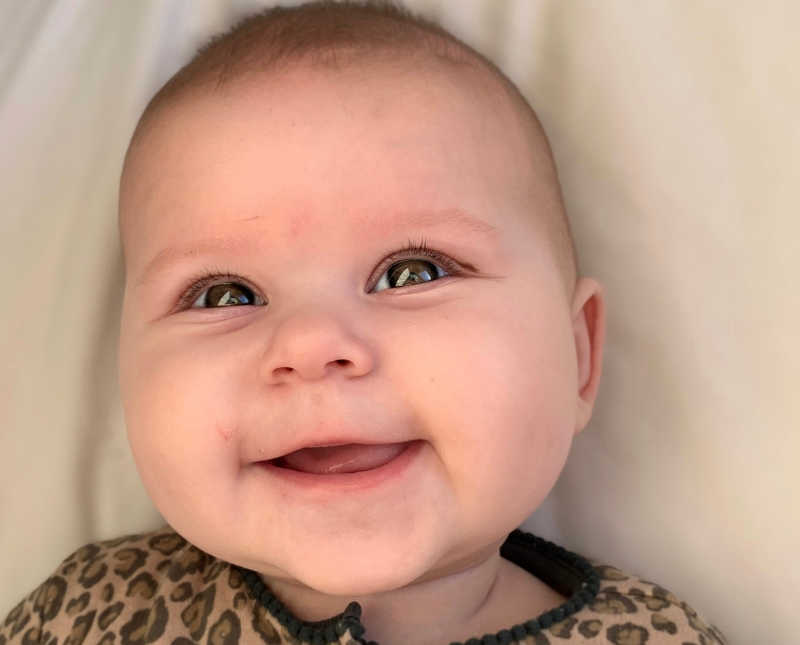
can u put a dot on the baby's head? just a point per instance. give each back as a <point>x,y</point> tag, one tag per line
<point>291,162</point>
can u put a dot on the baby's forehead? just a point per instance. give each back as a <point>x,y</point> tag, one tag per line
<point>419,72</point>
<point>408,102</point>
<point>478,135</point>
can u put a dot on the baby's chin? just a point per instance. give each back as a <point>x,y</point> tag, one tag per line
<point>378,557</point>
<point>350,580</point>
<point>350,566</point>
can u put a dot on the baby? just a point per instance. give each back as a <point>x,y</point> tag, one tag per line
<point>347,458</point>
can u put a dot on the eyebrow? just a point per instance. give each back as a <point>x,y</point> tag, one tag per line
<point>240,242</point>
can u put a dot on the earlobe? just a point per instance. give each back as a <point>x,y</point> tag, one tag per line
<point>589,325</point>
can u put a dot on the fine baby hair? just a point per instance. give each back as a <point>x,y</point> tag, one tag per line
<point>344,435</point>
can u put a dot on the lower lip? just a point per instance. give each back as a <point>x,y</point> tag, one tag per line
<point>348,482</point>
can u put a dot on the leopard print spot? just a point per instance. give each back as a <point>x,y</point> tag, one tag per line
<point>86,552</point>
<point>264,627</point>
<point>240,600</point>
<point>107,593</point>
<point>108,639</point>
<point>15,613</point>
<point>78,604</point>
<point>146,625</point>
<point>182,641</point>
<point>226,631</point>
<point>653,603</point>
<point>613,603</point>
<point>195,615</point>
<point>190,561</point>
<point>92,573</point>
<point>17,619</point>
<point>214,571</point>
<point>166,544</point>
<point>590,628</point>
<point>182,592</point>
<point>32,637</point>
<point>69,568</point>
<point>663,624</point>
<point>111,544</point>
<point>235,579</point>
<point>563,629</point>
<point>666,594</point>
<point>143,585</point>
<point>129,561</point>
<point>627,634</point>
<point>80,628</point>
<point>20,624</point>
<point>49,597</point>
<point>109,615</point>
<point>695,622</point>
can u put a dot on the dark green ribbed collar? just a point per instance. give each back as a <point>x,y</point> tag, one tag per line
<point>568,573</point>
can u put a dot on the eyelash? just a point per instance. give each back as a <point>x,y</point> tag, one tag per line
<point>210,275</point>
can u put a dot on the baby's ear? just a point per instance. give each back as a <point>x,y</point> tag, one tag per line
<point>589,325</point>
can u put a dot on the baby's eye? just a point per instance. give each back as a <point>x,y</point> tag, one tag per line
<point>211,292</point>
<point>222,294</point>
<point>408,272</point>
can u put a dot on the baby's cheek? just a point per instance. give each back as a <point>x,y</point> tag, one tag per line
<point>174,401</point>
<point>176,437</point>
<point>530,377</point>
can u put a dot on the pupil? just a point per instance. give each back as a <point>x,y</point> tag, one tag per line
<point>411,272</point>
<point>226,295</point>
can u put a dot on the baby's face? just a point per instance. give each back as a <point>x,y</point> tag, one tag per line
<point>301,187</point>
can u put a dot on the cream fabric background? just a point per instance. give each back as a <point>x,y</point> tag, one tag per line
<point>675,128</point>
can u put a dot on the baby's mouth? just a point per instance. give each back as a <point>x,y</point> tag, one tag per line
<point>348,458</point>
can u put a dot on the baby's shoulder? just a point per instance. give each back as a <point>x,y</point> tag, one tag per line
<point>630,609</point>
<point>123,590</point>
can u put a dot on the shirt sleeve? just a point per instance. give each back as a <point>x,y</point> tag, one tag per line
<point>39,617</point>
<point>23,623</point>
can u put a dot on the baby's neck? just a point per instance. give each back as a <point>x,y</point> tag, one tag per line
<point>491,595</point>
<point>514,597</point>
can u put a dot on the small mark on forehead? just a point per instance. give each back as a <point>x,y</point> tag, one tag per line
<point>297,227</point>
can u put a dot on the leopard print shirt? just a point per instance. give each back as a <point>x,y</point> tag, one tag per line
<point>156,587</point>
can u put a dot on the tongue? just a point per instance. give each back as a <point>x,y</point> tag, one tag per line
<point>350,458</point>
